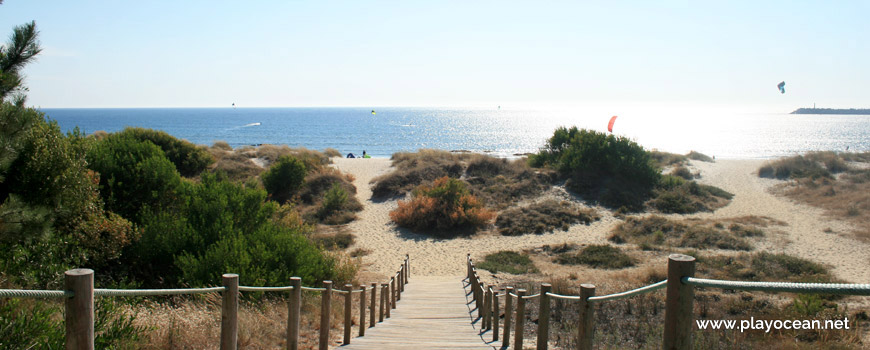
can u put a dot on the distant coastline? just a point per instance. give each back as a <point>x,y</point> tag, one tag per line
<point>854,111</point>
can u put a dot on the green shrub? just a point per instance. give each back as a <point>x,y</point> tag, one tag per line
<point>597,256</point>
<point>133,174</point>
<point>764,266</point>
<point>614,170</point>
<point>665,159</point>
<point>507,261</point>
<point>189,159</point>
<point>445,205</point>
<point>678,196</point>
<point>269,256</point>
<point>542,217</point>
<point>682,172</point>
<point>406,178</point>
<point>333,201</point>
<point>284,178</point>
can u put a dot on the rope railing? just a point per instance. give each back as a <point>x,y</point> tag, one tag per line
<point>35,294</point>
<point>80,292</point>
<point>678,310</point>
<point>788,287</point>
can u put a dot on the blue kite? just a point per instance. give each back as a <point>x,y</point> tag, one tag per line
<point>781,87</point>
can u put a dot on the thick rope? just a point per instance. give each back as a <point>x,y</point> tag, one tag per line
<point>149,292</point>
<point>563,297</point>
<point>41,294</point>
<point>531,296</point>
<point>265,289</point>
<point>630,293</point>
<point>805,288</point>
<point>314,289</point>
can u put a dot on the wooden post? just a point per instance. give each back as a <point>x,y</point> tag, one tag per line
<point>487,307</point>
<point>230,312</point>
<point>293,308</point>
<point>407,268</point>
<point>325,315</point>
<point>383,302</point>
<point>508,311</point>
<point>468,267</point>
<point>495,315</point>
<point>519,322</point>
<point>362,311</point>
<point>392,293</point>
<point>586,328</point>
<point>477,297</point>
<point>544,317</point>
<point>679,303</point>
<point>374,306</point>
<point>348,312</point>
<point>79,310</point>
<point>400,286</point>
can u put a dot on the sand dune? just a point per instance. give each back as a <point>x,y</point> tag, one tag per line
<point>803,236</point>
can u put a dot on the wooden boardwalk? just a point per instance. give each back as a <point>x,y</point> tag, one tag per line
<point>433,314</point>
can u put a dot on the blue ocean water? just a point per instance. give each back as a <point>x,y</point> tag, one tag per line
<point>499,132</point>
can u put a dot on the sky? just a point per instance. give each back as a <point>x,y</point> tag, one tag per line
<point>532,54</point>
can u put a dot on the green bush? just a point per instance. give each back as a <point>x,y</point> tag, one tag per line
<point>189,159</point>
<point>699,156</point>
<point>613,170</point>
<point>682,172</point>
<point>333,201</point>
<point>445,205</point>
<point>597,256</point>
<point>284,178</point>
<point>660,231</point>
<point>507,261</point>
<point>133,175</point>
<point>678,196</point>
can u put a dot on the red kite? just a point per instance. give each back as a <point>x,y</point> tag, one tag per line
<point>610,124</point>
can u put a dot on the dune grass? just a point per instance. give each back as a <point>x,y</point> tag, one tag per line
<point>544,216</point>
<point>597,256</point>
<point>507,261</point>
<point>653,231</point>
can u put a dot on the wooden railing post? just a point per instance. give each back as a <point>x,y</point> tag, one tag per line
<point>374,306</point>
<point>679,303</point>
<point>230,312</point>
<point>325,315</point>
<point>393,293</point>
<point>348,312</point>
<point>586,328</point>
<point>544,317</point>
<point>468,267</point>
<point>362,310</point>
<point>508,313</point>
<point>487,307</point>
<point>293,308</point>
<point>520,321</point>
<point>79,310</point>
<point>400,286</point>
<point>383,302</point>
<point>495,315</point>
<point>407,268</point>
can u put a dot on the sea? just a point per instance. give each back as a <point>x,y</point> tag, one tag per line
<point>499,132</point>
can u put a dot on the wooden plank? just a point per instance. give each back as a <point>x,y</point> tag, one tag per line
<point>433,313</point>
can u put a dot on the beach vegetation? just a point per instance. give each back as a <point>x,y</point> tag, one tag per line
<point>612,170</point>
<point>541,217</point>
<point>334,241</point>
<point>678,196</point>
<point>507,261</point>
<point>332,152</point>
<point>839,183</point>
<point>415,169</point>
<point>682,172</point>
<point>189,159</point>
<point>284,178</point>
<point>699,157</point>
<point>445,207</point>
<point>656,230</point>
<point>597,256</point>
<point>666,159</point>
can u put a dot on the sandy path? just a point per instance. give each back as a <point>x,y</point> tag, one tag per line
<point>806,225</point>
<point>804,235</point>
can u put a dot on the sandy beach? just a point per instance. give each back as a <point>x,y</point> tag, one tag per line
<point>803,235</point>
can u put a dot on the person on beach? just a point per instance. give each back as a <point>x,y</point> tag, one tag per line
<point>364,153</point>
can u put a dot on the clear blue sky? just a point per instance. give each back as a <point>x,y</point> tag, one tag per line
<point>443,53</point>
